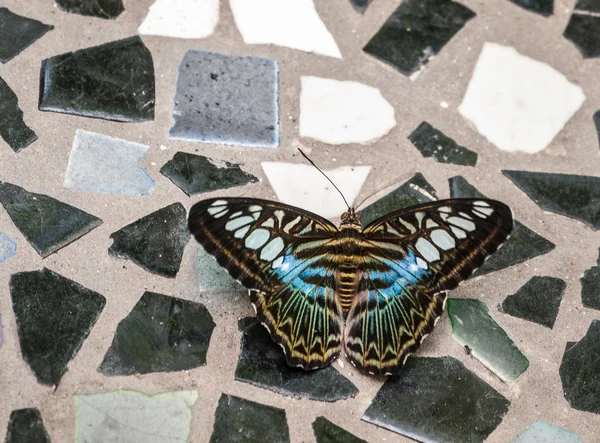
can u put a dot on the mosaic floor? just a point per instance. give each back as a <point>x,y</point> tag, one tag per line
<point>117,116</point>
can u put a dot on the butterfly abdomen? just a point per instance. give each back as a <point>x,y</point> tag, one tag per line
<point>347,259</point>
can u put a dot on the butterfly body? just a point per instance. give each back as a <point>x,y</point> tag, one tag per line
<point>373,293</point>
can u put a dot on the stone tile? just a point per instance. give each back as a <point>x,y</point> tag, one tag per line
<point>291,23</point>
<point>542,7</point>
<point>26,426</point>
<point>412,192</point>
<point>523,244</point>
<point>227,99</point>
<point>590,287</point>
<point>13,129</point>
<point>122,70</point>
<point>583,29</point>
<point>17,33</point>
<point>518,103</point>
<point>181,18</point>
<point>328,432</point>
<point>46,223</point>
<point>417,31</point>
<point>155,242</point>
<point>243,421</point>
<point>1,333</point>
<point>538,300</point>
<point>302,185</point>
<point>576,196</point>
<point>101,163</point>
<point>196,174</point>
<point>433,143</point>
<point>429,388</point>
<point>160,334</point>
<point>542,432</point>
<point>476,330</point>
<point>49,334</point>
<point>8,247</point>
<point>342,112</point>
<point>597,123</point>
<point>262,363</point>
<point>579,371</point>
<point>212,277</point>
<point>130,416</point>
<point>360,5</point>
<point>107,9</point>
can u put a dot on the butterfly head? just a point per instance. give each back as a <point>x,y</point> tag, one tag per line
<point>350,220</point>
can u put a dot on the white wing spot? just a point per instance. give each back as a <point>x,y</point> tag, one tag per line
<point>241,233</point>
<point>236,223</point>
<point>481,203</point>
<point>421,263</point>
<point>392,230</point>
<point>279,214</point>
<point>407,225</point>
<point>255,208</point>
<point>486,211</point>
<point>272,249</point>
<point>277,263</point>
<point>257,238</point>
<point>430,224</point>
<point>467,216</point>
<point>427,250</point>
<point>291,224</point>
<point>467,225</point>
<point>236,214</point>
<point>219,203</point>
<point>442,239</point>
<point>459,233</point>
<point>445,209</point>
<point>270,223</point>
<point>419,215</point>
<point>218,211</point>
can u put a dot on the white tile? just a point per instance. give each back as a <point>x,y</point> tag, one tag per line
<point>339,112</point>
<point>518,103</point>
<point>290,23</point>
<point>304,186</point>
<point>181,18</point>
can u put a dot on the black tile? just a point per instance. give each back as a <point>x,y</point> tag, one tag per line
<point>590,287</point>
<point>17,33</point>
<point>113,81</point>
<point>416,31</point>
<point>244,421</point>
<point>538,300</point>
<point>433,143</point>
<point>160,334</point>
<point>576,196</point>
<point>26,426</point>
<point>542,7</point>
<point>327,432</point>
<point>414,402</point>
<point>579,371</point>
<point>13,129</point>
<point>108,9</point>
<point>46,223</point>
<point>262,363</point>
<point>154,242</point>
<point>360,5</point>
<point>597,123</point>
<point>587,5</point>
<point>584,31</point>
<point>54,316</point>
<point>523,244</point>
<point>196,174</point>
<point>402,197</point>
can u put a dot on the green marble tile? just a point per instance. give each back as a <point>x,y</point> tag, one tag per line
<point>26,426</point>
<point>433,143</point>
<point>590,286</point>
<point>328,432</point>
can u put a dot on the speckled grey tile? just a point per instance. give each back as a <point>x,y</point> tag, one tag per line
<point>433,143</point>
<point>542,7</point>
<point>412,403</point>
<point>328,432</point>
<point>13,129</point>
<point>17,33</point>
<point>227,99</point>
<point>8,247</point>
<point>542,432</point>
<point>262,363</point>
<point>160,334</point>
<point>590,286</point>
<point>196,174</point>
<point>108,9</point>
<point>26,426</point>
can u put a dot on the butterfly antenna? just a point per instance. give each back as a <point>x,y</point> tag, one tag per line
<point>325,175</point>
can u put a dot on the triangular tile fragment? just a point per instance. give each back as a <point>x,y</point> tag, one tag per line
<point>13,129</point>
<point>433,143</point>
<point>262,363</point>
<point>108,9</point>
<point>582,30</point>
<point>328,432</point>
<point>576,196</point>
<point>50,334</point>
<point>46,223</point>
<point>523,244</point>
<point>26,426</point>
<point>542,7</point>
<point>17,33</point>
<point>590,286</point>
<point>538,300</point>
<point>160,334</point>
<point>122,70</point>
<point>154,242</point>
<point>8,247</point>
<point>542,432</point>
<point>196,174</point>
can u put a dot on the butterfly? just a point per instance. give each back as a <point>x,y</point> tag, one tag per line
<point>373,293</point>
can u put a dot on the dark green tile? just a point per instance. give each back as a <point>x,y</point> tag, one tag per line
<point>122,70</point>
<point>437,400</point>
<point>523,244</point>
<point>587,6</point>
<point>579,371</point>
<point>360,5</point>
<point>13,129</point>
<point>417,31</point>
<point>402,197</point>
<point>108,9</point>
<point>476,330</point>
<point>196,174</point>
<point>160,334</point>
<point>576,196</point>
<point>54,316</point>
<point>538,300</point>
<point>583,31</point>
<point>244,421</point>
<point>327,432</point>
<point>433,143</point>
<point>17,33</point>
<point>46,223</point>
<point>542,7</point>
<point>597,123</point>
<point>262,363</point>
<point>155,242</point>
<point>590,287</point>
<point>26,426</point>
